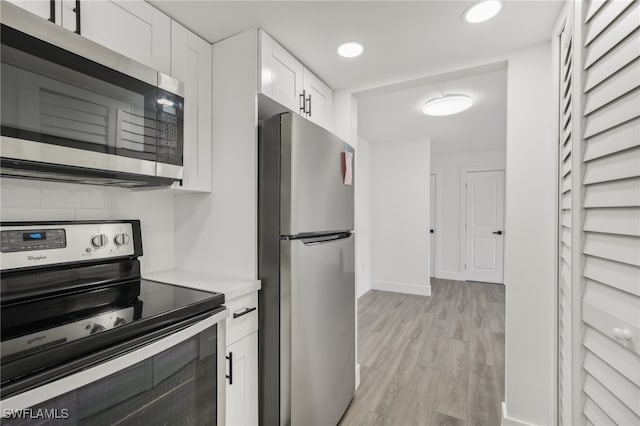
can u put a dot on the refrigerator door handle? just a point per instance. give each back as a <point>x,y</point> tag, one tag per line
<point>312,241</point>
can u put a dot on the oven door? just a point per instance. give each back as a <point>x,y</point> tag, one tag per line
<point>178,379</point>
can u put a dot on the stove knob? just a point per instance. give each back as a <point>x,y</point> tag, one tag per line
<point>119,321</point>
<point>121,239</point>
<point>99,240</point>
<point>97,328</point>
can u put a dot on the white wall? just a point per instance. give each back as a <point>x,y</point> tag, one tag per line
<point>449,232</point>
<point>27,200</point>
<point>400,216</point>
<point>530,238</point>
<point>345,126</point>
<point>217,232</point>
<point>363,216</point>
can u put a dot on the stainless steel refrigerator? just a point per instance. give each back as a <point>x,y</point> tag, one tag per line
<point>306,264</point>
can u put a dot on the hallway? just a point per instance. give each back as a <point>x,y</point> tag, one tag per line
<point>435,360</point>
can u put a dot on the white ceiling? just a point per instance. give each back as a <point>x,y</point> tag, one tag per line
<point>403,39</point>
<point>397,115</point>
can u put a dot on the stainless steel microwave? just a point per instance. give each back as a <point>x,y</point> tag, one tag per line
<point>73,110</point>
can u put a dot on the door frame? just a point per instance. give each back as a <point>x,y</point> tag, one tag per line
<point>463,216</point>
<point>438,233</point>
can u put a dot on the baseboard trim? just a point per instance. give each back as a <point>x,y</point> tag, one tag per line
<point>408,288</point>
<point>362,292</point>
<point>508,421</point>
<point>450,275</point>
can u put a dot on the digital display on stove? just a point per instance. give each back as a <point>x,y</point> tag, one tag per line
<point>34,236</point>
<point>15,240</point>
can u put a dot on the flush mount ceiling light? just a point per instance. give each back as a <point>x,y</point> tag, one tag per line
<point>447,105</point>
<point>350,49</point>
<point>482,11</point>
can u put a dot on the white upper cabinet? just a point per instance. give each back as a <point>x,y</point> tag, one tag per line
<point>191,63</point>
<point>280,74</point>
<point>318,100</point>
<point>285,80</point>
<point>46,9</point>
<point>134,29</point>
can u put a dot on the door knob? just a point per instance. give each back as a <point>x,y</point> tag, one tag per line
<point>431,231</point>
<point>621,334</point>
<point>497,232</point>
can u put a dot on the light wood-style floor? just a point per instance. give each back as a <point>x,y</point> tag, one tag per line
<point>435,360</point>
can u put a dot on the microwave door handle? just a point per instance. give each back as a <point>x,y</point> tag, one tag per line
<point>117,137</point>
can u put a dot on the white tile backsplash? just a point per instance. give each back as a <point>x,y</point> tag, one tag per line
<point>15,194</point>
<point>28,200</point>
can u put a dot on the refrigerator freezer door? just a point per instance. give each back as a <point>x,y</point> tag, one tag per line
<point>318,296</point>
<point>314,196</point>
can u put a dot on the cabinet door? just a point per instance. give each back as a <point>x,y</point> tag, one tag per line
<point>319,100</point>
<point>191,64</point>
<point>242,394</point>
<point>42,8</point>
<point>280,74</point>
<point>134,29</point>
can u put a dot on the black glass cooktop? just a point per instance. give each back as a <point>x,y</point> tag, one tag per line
<point>160,298</point>
<point>49,330</point>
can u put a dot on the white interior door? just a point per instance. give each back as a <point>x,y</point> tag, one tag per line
<point>432,230</point>
<point>485,226</point>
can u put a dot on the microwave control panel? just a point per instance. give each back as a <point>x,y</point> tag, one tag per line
<point>168,129</point>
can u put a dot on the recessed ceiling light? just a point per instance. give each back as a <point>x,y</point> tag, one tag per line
<point>447,105</point>
<point>482,11</point>
<point>350,49</point>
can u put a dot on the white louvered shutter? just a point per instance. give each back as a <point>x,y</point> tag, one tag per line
<point>565,145</point>
<point>610,213</point>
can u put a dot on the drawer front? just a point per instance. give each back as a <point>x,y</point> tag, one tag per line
<point>243,317</point>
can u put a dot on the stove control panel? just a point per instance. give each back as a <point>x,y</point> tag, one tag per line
<point>28,246</point>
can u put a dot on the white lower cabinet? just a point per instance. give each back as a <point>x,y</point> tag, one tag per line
<point>242,361</point>
<point>242,391</point>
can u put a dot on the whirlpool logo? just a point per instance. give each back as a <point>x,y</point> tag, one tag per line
<point>36,258</point>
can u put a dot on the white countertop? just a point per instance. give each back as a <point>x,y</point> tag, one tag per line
<point>232,287</point>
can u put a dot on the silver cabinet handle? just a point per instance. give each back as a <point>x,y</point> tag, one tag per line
<point>303,102</point>
<point>245,312</point>
<point>52,11</point>
<point>77,11</point>
<point>230,375</point>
